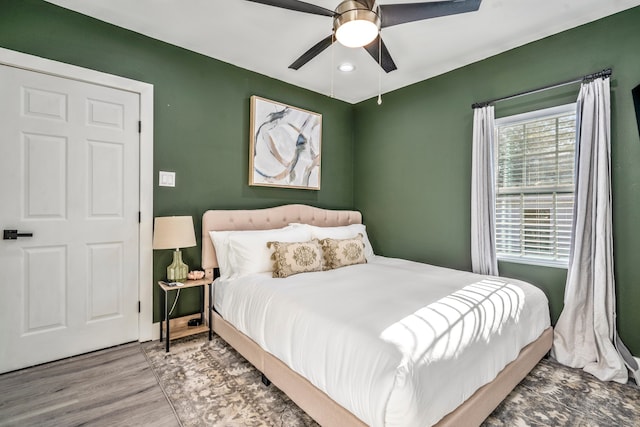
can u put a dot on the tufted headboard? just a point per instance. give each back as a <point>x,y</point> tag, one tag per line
<point>263,219</point>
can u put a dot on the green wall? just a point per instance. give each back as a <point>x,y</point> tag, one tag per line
<point>201,113</point>
<point>413,154</point>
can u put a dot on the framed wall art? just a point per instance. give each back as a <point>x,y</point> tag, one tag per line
<point>285,148</point>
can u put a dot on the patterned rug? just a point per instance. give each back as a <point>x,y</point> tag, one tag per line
<point>210,384</point>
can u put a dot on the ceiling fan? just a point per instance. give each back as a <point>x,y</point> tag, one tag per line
<point>357,23</point>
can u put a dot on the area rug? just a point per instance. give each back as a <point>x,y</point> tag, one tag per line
<point>210,384</point>
<point>555,395</point>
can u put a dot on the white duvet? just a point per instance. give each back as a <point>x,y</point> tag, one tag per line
<point>395,342</point>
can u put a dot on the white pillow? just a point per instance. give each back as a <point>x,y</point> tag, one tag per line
<point>341,232</point>
<point>220,241</point>
<point>248,252</point>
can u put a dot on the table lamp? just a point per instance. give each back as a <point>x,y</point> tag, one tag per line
<point>174,232</point>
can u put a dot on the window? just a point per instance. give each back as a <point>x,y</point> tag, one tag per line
<point>534,186</point>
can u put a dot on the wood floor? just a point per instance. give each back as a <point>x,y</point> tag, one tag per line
<point>112,387</point>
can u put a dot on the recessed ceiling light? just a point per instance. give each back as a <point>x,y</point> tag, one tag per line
<point>346,67</point>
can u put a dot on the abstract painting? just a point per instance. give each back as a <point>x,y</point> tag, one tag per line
<point>285,146</point>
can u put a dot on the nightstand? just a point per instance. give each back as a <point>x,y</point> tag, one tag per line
<point>180,328</point>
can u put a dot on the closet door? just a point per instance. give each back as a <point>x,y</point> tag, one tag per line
<point>69,181</point>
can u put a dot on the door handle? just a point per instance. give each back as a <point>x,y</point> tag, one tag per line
<point>13,235</point>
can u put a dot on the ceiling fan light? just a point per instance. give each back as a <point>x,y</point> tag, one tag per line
<point>355,26</point>
<point>357,33</point>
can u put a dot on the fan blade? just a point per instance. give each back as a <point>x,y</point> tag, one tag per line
<point>298,6</point>
<point>386,62</point>
<point>313,52</point>
<point>394,14</point>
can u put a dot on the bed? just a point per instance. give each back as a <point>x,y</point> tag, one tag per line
<point>320,350</point>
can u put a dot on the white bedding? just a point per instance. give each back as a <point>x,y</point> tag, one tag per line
<point>397,343</point>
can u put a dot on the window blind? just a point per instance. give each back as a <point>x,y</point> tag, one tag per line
<point>534,186</point>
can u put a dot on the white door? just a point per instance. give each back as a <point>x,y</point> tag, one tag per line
<point>69,174</point>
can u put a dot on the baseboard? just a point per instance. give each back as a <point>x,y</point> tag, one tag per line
<point>155,335</point>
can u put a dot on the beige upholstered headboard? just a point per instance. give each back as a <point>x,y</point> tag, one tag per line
<point>263,219</point>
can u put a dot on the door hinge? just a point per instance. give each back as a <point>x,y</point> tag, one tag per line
<point>139,307</point>
<point>139,217</point>
<point>139,126</point>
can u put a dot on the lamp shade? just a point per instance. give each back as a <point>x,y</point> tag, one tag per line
<point>173,232</point>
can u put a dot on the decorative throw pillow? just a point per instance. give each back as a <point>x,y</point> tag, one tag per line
<point>341,232</point>
<point>343,252</point>
<point>294,258</point>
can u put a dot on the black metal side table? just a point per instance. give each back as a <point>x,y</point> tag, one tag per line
<point>182,329</point>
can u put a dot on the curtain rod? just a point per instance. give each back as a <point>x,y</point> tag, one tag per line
<point>604,73</point>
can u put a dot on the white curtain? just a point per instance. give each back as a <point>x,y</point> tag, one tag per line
<point>483,247</point>
<point>585,335</point>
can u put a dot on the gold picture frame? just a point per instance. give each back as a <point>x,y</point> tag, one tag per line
<point>285,146</point>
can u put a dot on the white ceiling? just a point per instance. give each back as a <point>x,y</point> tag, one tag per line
<point>267,39</point>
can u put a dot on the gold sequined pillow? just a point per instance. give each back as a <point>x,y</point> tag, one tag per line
<point>294,258</point>
<point>343,252</point>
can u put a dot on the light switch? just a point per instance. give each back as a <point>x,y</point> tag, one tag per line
<point>167,179</point>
